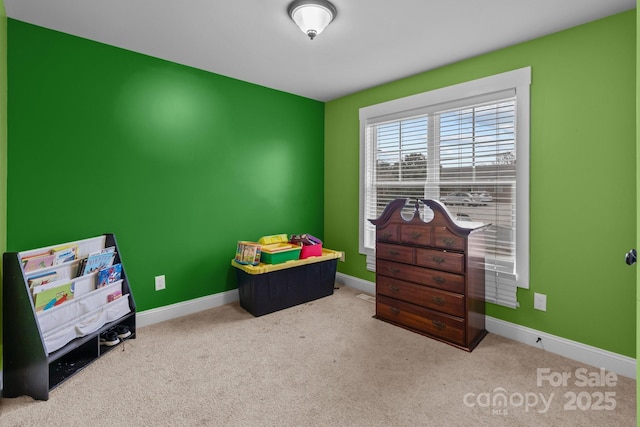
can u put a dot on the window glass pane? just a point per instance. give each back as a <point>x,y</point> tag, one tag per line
<point>401,150</point>
<point>473,171</point>
<point>477,174</point>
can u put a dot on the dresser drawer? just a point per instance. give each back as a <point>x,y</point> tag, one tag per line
<point>443,238</point>
<point>447,302</point>
<point>421,319</point>
<point>448,261</point>
<point>424,276</point>
<point>396,253</point>
<point>388,233</point>
<point>415,234</point>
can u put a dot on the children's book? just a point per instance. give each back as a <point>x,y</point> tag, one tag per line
<point>36,289</point>
<point>81,265</point>
<point>42,279</point>
<point>64,254</point>
<point>49,297</point>
<point>109,275</point>
<point>38,261</point>
<point>99,260</point>
<point>25,258</point>
<point>114,296</point>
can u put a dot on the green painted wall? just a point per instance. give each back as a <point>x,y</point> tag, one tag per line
<point>3,152</point>
<point>179,163</point>
<point>583,195</point>
<point>637,159</point>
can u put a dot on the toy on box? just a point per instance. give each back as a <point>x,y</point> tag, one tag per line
<point>304,239</point>
<point>276,238</point>
<point>248,253</point>
<point>311,246</point>
<point>276,249</point>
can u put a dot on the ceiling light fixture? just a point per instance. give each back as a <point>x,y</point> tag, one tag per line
<point>312,16</point>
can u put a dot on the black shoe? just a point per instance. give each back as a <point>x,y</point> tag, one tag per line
<point>122,331</point>
<point>109,338</point>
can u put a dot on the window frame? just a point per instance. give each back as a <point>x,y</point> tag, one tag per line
<point>518,80</point>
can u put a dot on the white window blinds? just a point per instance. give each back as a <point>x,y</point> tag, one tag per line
<point>462,152</point>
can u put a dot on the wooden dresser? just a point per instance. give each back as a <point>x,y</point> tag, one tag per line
<point>430,275</point>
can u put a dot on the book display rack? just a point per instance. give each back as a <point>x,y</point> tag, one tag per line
<point>57,302</point>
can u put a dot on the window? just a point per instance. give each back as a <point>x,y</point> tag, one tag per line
<point>466,145</point>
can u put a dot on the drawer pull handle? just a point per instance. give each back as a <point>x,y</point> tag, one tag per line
<point>394,270</point>
<point>438,300</point>
<point>439,279</point>
<point>448,241</point>
<point>437,259</point>
<point>393,252</point>
<point>415,235</point>
<point>438,324</point>
<point>395,310</point>
<point>386,235</point>
<point>394,289</point>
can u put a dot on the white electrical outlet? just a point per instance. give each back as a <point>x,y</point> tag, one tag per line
<point>540,301</point>
<point>160,283</point>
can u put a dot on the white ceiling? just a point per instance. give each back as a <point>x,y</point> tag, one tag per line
<point>370,42</point>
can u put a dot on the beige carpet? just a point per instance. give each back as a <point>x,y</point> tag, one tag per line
<point>325,363</point>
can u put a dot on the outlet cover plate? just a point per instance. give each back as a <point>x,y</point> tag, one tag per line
<point>160,283</point>
<point>540,301</point>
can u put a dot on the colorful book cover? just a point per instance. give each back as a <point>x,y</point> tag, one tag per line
<point>248,253</point>
<point>42,279</point>
<point>53,297</point>
<point>37,262</point>
<point>36,289</point>
<point>114,296</point>
<point>64,254</point>
<point>109,275</point>
<point>99,260</point>
<point>25,258</point>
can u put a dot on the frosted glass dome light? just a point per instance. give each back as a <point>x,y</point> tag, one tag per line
<point>312,16</point>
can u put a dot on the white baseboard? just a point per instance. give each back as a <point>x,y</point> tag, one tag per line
<point>622,365</point>
<point>160,314</point>
<point>360,284</point>
<point>168,312</point>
